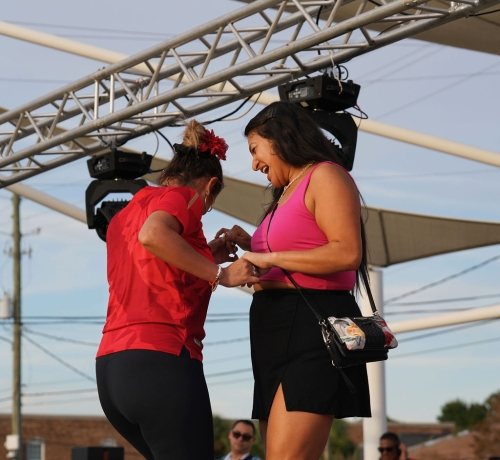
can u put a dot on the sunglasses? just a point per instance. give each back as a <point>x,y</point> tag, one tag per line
<point>387,449</point>
<point>244,437</point>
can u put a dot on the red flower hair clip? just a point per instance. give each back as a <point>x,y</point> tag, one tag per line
<point>213,144</point>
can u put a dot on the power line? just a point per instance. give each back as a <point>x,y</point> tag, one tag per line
<point>225,382</point>
<point>445,331</point>
<point>434,93</point>
<point>5,339</point>
<point>221,342</point>
<point>450,347</point>
<point>62,401</point>
<point>62,339</point>
<point>443,280</point>
<point>456,299</point>
<point>430,77</point>
<point>230,358</point>
<point>59,360</point>
<point>237,371</point>
<point>424,175</point>
<point>61,392</point>
<point>418,312</point>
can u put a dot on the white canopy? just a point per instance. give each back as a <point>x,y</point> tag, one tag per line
<point>393,236</point>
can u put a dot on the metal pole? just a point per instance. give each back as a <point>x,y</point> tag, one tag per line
<point>16,384</point>
<point>375,426</point>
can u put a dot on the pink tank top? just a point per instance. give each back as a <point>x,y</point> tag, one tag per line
<point>294,228</point>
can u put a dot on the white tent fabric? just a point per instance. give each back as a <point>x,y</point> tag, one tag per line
<point>393,236</point>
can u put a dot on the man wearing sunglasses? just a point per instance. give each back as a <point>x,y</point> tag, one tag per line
<point>241,438</point>
<point>391,448</point>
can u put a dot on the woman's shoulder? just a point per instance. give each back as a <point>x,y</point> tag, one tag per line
<point>330,173</point>
<point>174,191</point>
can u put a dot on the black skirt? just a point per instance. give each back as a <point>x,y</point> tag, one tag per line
<point>287,348</point>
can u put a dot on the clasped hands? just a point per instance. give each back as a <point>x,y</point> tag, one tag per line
<point>226,244</point>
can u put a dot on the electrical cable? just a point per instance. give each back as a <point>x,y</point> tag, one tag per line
<point>434,93</point>
<point>5,339</point>
<point>247,112</point>
<point>59,392</point>
<point>229,114</point>
<point>237,371</point>
<point>222,342</point>
<point>443,280</point>
<point>317,22</point>
<point>59,360</point>
<point>425,175</point>
<point>450,347</point>
<point>62,401</point>
<point>230,358</point>
<point>456,299</point>
<point>61,339</point>
<point>165,137</point>
<point>446,331</point>
<point>225,382</point>
<point>418,312</point>
<point>429,77</point>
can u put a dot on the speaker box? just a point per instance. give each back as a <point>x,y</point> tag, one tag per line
<point>97,453</point>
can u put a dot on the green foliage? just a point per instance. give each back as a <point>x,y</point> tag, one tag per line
<point>258,448</point>
<point>221,441</point>
<point>462,414</point>
<point>341,447</point>
<point>221,430</point>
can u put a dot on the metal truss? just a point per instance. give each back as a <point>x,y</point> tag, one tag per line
<point>241,54</point>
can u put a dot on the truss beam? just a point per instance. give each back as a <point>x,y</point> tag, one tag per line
<point>113,106</point>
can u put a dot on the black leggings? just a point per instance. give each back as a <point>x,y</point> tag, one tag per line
<point>158,402</point>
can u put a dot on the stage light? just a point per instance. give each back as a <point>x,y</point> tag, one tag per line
<point>115,172</point>
<point>326,99</point>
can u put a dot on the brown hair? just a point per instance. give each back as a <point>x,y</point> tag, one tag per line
<point>189,164</point>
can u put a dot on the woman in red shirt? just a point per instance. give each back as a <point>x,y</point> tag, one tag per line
<point>161,273</point>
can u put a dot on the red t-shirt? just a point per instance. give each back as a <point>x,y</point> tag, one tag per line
<point>153,305</point>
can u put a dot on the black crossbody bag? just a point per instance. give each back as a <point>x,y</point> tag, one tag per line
<point>351,341</point>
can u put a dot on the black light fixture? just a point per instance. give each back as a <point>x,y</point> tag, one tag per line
<point>326,98</point>
<point>115,172</point>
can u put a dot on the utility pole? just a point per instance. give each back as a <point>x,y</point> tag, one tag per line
<point>16,383</point>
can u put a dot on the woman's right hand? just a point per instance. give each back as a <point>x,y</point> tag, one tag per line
<point>237,236</point>
<point>239,273</point>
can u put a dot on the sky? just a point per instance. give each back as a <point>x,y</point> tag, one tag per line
<point>433,89</point>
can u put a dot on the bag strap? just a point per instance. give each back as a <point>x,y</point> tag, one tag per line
<point>322,322</point>
<point>318,316</point>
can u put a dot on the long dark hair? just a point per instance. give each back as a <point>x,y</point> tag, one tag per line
<point>189,164</point>
<point>298,140</point>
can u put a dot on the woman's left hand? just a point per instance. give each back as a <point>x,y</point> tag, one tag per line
<point>261,261</point>
<point>222,251</point>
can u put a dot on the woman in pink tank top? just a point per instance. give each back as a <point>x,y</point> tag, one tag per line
<point>317,236</point>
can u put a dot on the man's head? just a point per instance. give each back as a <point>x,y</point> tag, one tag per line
<point>389,447</point>
<point>242,437</point>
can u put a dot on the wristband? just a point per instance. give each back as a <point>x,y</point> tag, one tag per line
<point>215,282</point>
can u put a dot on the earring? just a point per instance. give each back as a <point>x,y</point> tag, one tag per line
<point>209,208</point>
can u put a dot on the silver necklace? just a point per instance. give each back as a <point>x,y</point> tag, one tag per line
<point>294,179</point>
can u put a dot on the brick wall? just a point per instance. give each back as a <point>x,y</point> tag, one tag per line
<point>61,433</point>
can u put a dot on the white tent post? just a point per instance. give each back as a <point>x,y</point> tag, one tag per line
<point>375,426</point>
<point>49,201</point>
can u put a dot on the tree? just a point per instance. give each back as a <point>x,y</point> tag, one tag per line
<point>221,430</point>
<point>487,432</point>
<point>462,414</point>
<point>341,446</point>
<point>221,441</point>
